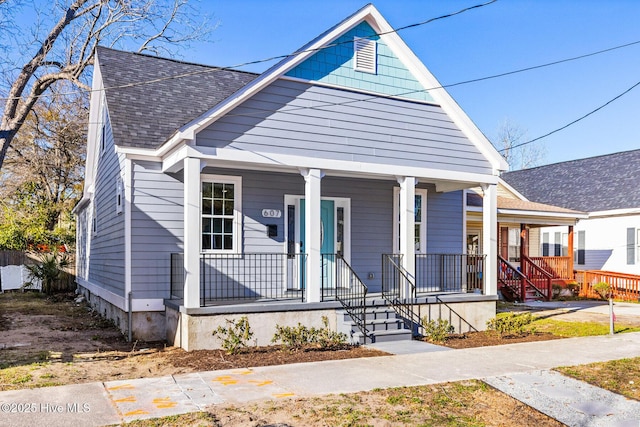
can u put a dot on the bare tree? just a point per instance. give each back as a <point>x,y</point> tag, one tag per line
<point>45,168</point>
<point>510,136</point>
<point>64,40</point>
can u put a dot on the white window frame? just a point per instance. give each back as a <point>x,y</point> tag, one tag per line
<point>237,211</point>
<point>637,245</point>
<point>423,220</point>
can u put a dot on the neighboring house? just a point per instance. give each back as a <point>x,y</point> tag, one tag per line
<point>608,189</point>
<point>202,183</point>
<point>521,259</point>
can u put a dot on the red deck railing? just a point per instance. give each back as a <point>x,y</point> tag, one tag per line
<point>626,287</point>
<point>557,266</point>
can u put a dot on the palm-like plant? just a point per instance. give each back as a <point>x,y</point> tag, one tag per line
<point>47,271</point>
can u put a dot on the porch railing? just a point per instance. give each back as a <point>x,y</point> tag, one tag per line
<point>177,276</point>
<point>557,266</point>
<point>338,277</point>
<point>518,283</point>
<point>252,276</point>
<point>625,287</point>
<point>449,272</point>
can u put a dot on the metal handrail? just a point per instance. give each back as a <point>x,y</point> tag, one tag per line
<point>460,318</point>
<point>403,306</point>
<point>350,291</point>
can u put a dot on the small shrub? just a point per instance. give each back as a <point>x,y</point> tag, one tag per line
<point>235,336</point>
<point>437,331</point>
<point>511,324</point>
<point>556,289</point>
<point>48,272</point>
<point>574,288</point>
<point>603,289</point>
<point>328,338</point>
<point>297,337</point>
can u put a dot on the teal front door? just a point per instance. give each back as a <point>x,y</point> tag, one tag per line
<point>327,237</point>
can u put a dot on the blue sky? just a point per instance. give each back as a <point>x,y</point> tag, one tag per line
<point>501,37</point>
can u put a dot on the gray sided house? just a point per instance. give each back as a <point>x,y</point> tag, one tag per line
<point>333,181</point>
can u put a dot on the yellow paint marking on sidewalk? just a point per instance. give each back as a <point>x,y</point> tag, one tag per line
<point>164,403</point>
<point>281,395</point>
<point>121,387</point>
<point>225,380</point>
<point>243,372</point>
<point>261,383</point>
<point>126,399</point>
<point>136,412</point>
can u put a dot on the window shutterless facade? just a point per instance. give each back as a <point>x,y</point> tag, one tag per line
<point>220,210</point>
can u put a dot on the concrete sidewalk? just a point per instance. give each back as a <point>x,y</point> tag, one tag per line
<point>96,404</point>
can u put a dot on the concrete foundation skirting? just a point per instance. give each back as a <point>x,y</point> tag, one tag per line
<point>146,325</point>
<point>475,313</point>
<point>192,329</point>
<point>195,332</point>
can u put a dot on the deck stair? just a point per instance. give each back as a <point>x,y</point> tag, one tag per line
<point>382,322</point>
<point>527,283</point>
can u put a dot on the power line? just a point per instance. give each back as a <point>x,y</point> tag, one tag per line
<point>280,57</point>
<point>575,121</point>
<point>373,97</point>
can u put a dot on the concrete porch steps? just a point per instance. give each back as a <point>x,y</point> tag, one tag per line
<point>383,324</point>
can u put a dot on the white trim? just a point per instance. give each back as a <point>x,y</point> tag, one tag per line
<point>237,211</point>
<point>113,298</point>
<point>423,219</point>
<point>240,158</point>
<point>615,212</point>
<point>127,202</point>
<point>542,214</point>
<point>137,305</point>
<point>147,304</point>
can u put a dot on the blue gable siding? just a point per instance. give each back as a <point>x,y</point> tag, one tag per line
<point>334,65</point>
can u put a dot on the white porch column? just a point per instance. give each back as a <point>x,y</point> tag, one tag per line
<point>407,231</point>
<point>490,238</point>
<point>192,232</point>
<point>312,238</point>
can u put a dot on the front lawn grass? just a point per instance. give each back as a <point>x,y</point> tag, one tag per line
<point>619,376</point>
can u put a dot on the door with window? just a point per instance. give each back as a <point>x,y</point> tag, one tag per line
<point>334,235</point>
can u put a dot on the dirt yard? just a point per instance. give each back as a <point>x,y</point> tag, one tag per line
<point>49,341</point>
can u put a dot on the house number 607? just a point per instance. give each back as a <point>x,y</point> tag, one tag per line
<point>271,213</point>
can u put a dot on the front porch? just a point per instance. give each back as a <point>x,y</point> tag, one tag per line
<point>274,277</point>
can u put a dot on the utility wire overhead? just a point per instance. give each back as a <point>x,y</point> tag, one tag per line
<point>273,58</point>
<point>575,121</point>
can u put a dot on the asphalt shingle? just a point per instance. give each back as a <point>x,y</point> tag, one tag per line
<point>589,185</point>
<point>149,98</point>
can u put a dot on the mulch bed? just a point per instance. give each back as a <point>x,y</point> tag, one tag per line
<point>210,360</point>
<point>489,338</point>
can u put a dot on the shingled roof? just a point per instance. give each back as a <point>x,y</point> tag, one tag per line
<point>149,98</point>
<point>590,185</point>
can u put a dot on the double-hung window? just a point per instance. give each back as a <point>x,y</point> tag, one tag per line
<point>221,207</point>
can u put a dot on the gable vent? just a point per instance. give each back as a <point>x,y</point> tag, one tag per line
<point>364,58</point>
